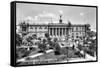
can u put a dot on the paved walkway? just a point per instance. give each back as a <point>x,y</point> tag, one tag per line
<point>87,58</point>
<point>35,55</point>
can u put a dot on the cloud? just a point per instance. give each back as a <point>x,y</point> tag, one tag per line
<point>45,14</point>
<point>43,17</point>
<point>60,11</point>
<point>36,18</point>
<point>81,14</point>
<point>29,18</point>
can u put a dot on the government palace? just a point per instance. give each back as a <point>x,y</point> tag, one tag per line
<point>58,30</point>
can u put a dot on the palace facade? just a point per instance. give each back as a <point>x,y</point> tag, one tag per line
<point>59,30</point>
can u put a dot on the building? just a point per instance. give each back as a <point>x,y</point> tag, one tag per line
<point>59,30</point>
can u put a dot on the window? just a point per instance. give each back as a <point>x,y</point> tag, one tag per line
<point>40,27</point>
<point>76,28</point>
<point>31,27</point>
<point>24,29</point>
<point>72,34</point>
<point>76,33</point>
<point>80,28</point>
<point>83,28</point>
<point>72,29</point>
<point>83,34</point>
<point>45,27</point>
<point>35,27</point>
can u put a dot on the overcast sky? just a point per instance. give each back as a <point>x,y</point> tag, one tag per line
<point>39,13</point>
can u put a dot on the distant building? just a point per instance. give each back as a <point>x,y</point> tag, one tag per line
<point>59,30</point>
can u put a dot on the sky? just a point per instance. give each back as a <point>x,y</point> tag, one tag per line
<point>41,13</point>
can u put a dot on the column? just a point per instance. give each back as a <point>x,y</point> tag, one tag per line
<point>65,31</point>
<point>52,31</point>
<point>59,32</point>
<point>49,31</point>
<point>62,31</point>
<point>55,31</point>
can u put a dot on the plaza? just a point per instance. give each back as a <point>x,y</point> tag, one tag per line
<point>55,43</point>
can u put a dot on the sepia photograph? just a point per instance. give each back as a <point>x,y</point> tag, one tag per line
<point>52,34</point>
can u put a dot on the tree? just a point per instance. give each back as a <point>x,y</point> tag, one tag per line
<point>18,40</point>
<point>55,39</point>
<point>34,36</point>
<point>91,33</point>
<point>56,47</point>
<point>43,46</point>
<point>51,43</point>
<point>47,35</point>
